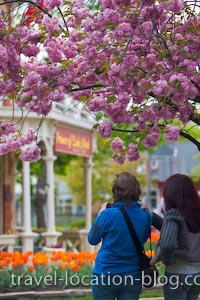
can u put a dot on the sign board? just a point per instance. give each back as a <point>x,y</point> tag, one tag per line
<point>73,141</point>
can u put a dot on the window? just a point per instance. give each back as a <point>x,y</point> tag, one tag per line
<point>154,164</point>
<point>153,199</point>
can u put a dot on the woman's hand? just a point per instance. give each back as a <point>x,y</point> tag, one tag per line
<point>103,207</point>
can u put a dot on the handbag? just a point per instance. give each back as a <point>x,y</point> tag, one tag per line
<point>149,272</point>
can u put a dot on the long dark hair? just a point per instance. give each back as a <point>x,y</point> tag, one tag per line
<point>126,188</point>
<point>179,192</point>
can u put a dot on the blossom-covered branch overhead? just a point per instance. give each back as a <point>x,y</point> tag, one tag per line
<point>135,65</point>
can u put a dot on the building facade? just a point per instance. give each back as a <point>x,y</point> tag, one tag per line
<point>165,161</point>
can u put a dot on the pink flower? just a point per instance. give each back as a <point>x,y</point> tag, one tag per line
<point>31,154</point>
<point>172,133</point>
<point>7,128</point>
<point>147,28</point>
<point>30,50</point>
<point>97,104</point>
<point>105,129</point>
<point>184,112</point>
<point>124,30</point>
<point>50,4</point>
<point>173,5</point>
<point>129,62</point>
<point>51,24</point>
<point>161,88</point>
<point>53,48</point>
<point>117,145</point>
<point>3,54</point>
<point>89,24</point>
<point>111,16</point>
<point>147,114</point>
<point>132,153</point>
<point>151,140</point>
<point>119,159</point>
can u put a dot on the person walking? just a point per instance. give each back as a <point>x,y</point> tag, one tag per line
<point>116,272</point>
<point>179,245</point>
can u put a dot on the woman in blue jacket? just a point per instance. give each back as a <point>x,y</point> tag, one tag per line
<point>116,273</point>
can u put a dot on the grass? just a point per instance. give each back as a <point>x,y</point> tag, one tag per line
<point>145,294</point>
<point>150,294</point>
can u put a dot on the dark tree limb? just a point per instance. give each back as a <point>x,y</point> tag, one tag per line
<point>182,133</point>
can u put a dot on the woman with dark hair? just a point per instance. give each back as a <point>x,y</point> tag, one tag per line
<point>179,245</point>
<point>116,273</point>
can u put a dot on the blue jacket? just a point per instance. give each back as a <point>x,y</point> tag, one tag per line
<point>118,253</point>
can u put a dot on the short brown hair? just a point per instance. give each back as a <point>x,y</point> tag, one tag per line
<point>126,188</point>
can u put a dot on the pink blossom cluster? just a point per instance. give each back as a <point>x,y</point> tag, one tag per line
<point>133,152</point>
<point>6,128</point>
<point>117,145</point>
<point>31,154</point>
<point>51,4</point>
<point>151,140</point>
<point>118,149</point>
<point>172,133</point>
<point>105,129</point>
<point>137,63</point>
<point>11,140</point>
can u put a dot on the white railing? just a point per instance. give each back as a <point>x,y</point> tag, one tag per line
<point>8,242</point>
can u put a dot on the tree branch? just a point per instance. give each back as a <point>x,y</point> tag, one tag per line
<point>125,130</point>
<point>195,119</point>
<point>86,87</point>
<point>182,133</point>
<point>190,138</point>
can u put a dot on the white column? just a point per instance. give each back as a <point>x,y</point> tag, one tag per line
<point>27,235</point>
<point>85,246</point>
<point>51,235</point>
<point>26,197</point>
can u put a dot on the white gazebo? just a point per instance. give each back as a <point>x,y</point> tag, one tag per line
<point>65,130</point>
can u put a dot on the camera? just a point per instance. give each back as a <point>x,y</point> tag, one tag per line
<point>109,205</point>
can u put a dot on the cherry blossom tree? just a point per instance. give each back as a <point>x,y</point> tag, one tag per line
<point>134,64</point>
